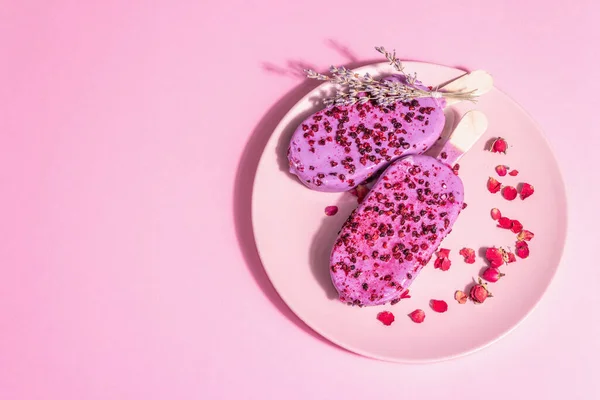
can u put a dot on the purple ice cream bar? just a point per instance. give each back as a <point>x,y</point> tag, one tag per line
<point>393,234</point>
<point>337,148</point>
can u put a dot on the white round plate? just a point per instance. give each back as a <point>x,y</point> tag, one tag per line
<point>294,239</point>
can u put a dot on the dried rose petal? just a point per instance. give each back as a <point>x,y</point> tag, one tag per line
<point>510,258</point>
<point>516,226</point>
<point>496,214</point>
<point>361,191</point>
<point>522,249</point>
<point>460,296</point>
<point>417,316</point>
<point>499,146</point>
<point>439,306</point>
<point>505,223</point>
<point>509,193</point>
<point>501,170</point>
<point>404,295</point>
<point>479,293</point>
<point>495,256</point>
<point>331,210</point>
<point>386,317</point>
<point>526,191</point>
<point>492,275</point>
<point>468,254</point>
<point>455,169</point>
<point>523,252</point>
<point>493,185</point>
<point>514,172</point>
<point>442,263</point>
<point>525,236</point>
<point>443,252</point>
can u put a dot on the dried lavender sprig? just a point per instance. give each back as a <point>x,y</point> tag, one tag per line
<point>315,75</point>
<point>394,61</point>
<point>387,98</point>
<point>383,92</point>
<point>397,64</point>
<point>397,92</point>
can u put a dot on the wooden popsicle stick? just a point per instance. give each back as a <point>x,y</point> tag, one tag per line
<point>468,131</point>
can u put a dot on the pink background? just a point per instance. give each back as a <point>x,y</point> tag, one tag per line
<point>121,276</point>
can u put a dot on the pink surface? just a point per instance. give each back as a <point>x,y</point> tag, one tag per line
<point>120,271</point>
